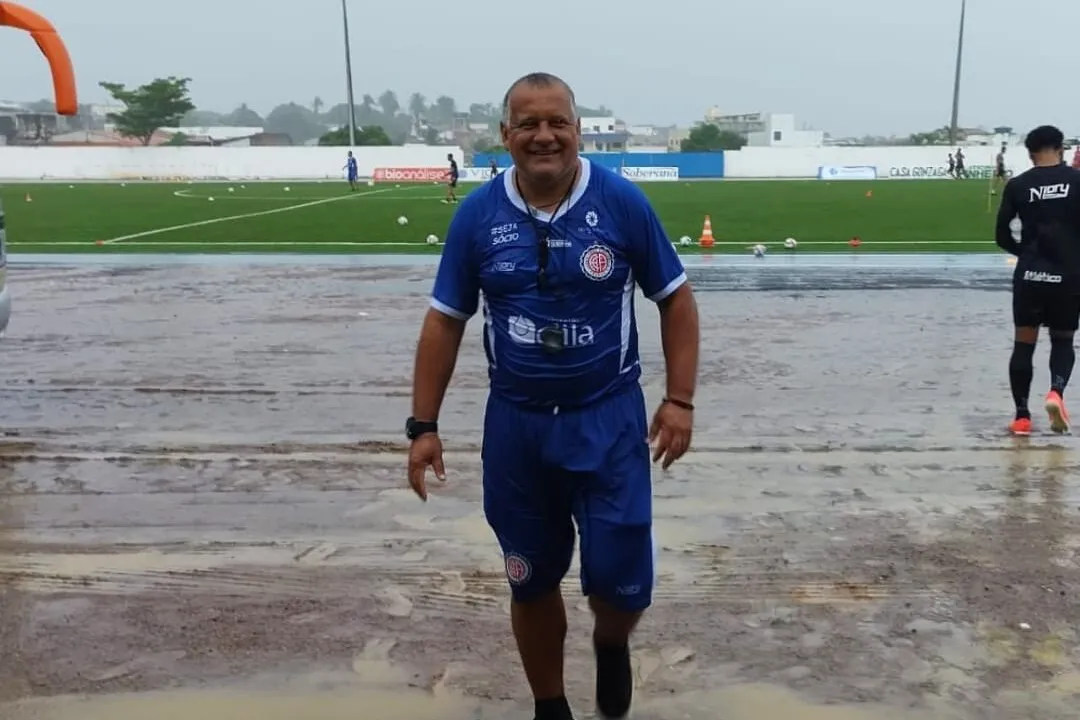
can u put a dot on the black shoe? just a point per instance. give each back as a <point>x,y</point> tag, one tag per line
<point>553,709</point>
<point>614,682</point>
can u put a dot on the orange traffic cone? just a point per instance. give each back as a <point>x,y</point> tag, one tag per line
<point>707,240</point>
<point>869,193</point>
<point>855,242</point>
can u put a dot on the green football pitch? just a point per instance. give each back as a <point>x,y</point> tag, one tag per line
<point>325,217</point>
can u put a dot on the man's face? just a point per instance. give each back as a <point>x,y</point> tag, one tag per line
<point>542,134</point>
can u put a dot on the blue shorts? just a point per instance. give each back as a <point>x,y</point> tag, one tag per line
<point>353,176</point>
<point>546,471</point>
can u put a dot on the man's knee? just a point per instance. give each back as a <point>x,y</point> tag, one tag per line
<point>534,575</point>
<point>618,566</point>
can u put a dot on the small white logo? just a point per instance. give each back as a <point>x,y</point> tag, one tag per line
<point>597,262</point>
<point>1041,277</point>
<point>503,266</point>
<point>1060,191</point>
<point>518,569</point>
<point>522,330</point>
<point>592,219</point>
<point>558,243</point>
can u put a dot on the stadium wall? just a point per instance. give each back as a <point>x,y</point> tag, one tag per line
<point>860,163</point>
<point>203,163</point>
<point>424,163</point>
<point>689,165</point>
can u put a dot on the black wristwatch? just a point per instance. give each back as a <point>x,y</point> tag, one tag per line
<point>415,428</point>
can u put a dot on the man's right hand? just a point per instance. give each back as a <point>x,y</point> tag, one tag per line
<point>425,451</point>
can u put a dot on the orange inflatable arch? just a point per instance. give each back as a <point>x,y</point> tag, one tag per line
<point>52,47</point>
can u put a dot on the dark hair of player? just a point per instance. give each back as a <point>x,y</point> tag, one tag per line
<point>1044,138</point>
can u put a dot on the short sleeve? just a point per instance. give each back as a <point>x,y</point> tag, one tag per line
<point>457,282</point>
<point>653,259</point>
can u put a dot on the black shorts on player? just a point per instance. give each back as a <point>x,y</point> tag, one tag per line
<point>1046,281</point>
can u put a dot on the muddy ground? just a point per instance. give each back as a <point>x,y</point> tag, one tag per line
<point>203,513</point>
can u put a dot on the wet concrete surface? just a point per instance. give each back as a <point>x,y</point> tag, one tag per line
<point>203,510</point>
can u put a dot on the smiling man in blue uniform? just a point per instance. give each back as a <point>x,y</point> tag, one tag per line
<point>555,247</point>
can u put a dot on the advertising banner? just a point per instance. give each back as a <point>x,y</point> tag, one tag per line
<point>847,172</point>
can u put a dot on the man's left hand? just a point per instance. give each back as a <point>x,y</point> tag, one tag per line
<point>671,429</point>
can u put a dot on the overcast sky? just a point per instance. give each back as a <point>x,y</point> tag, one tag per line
<point>844,66</point>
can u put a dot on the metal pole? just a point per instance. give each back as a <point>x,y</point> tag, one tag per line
<point>348,75</point>
<point>956,82</point>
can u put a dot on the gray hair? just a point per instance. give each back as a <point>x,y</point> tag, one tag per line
<point>540,80</point>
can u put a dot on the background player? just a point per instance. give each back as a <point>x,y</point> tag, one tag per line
<point>961,170</point>
<point>351,170</point>
<point>1046,282</point>
<point>1000,173</point>
<point>451,180</point>
<point>494,168</point>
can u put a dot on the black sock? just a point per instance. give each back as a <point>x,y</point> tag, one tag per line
<point>614,681</point>
<point>1020,372</point>
<point>1062,359</point>
<point>554,709</point>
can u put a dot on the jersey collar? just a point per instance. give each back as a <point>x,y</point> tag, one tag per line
<point>579,191</point>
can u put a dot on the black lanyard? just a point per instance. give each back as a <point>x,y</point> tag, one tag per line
<point>543,230</point>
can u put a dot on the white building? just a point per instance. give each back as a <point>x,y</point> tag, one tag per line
<point>603,134</point>
<point>766,129</point>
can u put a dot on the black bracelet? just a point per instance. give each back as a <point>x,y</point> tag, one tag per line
<point>680,404</point>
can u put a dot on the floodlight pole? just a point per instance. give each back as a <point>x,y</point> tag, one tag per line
<point>953,129</point>
<point>348,75</point>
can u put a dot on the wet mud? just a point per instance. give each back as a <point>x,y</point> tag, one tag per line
<point>203,511</point>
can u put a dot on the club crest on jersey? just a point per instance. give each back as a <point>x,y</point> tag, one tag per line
<point>518,569</point>
<point>597,262</point>
<point>592,219</point>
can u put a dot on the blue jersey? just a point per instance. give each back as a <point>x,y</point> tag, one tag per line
<point>604,242</point>
<point>350,164</point>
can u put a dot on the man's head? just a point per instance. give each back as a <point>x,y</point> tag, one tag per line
<point>540,127</point>
<point>1045,144</point>
<point>350,153</point>
<point>450,157</point>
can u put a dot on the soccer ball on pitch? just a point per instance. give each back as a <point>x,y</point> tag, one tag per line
<point>432,240</point>
<point>403,221</point>
<point>791,243</point>
<point>685,241</point>
<point>371,182</point>
<point>759,251</point>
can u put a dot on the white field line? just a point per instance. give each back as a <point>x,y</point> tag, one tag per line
<point>230,218</point>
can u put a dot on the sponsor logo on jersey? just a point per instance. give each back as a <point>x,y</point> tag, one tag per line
<point>1059,191</point>
<point>1041,277</point>
<point>524,331</point>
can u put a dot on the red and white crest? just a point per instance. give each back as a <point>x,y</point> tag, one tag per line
<point>518,569</point>
<point>597,262</point>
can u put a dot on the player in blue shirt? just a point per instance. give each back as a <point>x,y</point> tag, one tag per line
<point>555,246</point>
<point>351,170</point>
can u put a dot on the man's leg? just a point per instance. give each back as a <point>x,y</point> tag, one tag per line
<point>1062,360</point>
<point>1027,312</point>
<point>614,516</point>
<point>530,514</point>
<point>1063,322</point>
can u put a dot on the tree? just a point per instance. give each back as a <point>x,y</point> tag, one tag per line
<point>160,103</point>
<point>707,137</point>
<point>366,136</point>
<point>296,121</point>
<point>484,145</point>
<point>389,103</point>
<point>243,116</point>
<point>417,106</point>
